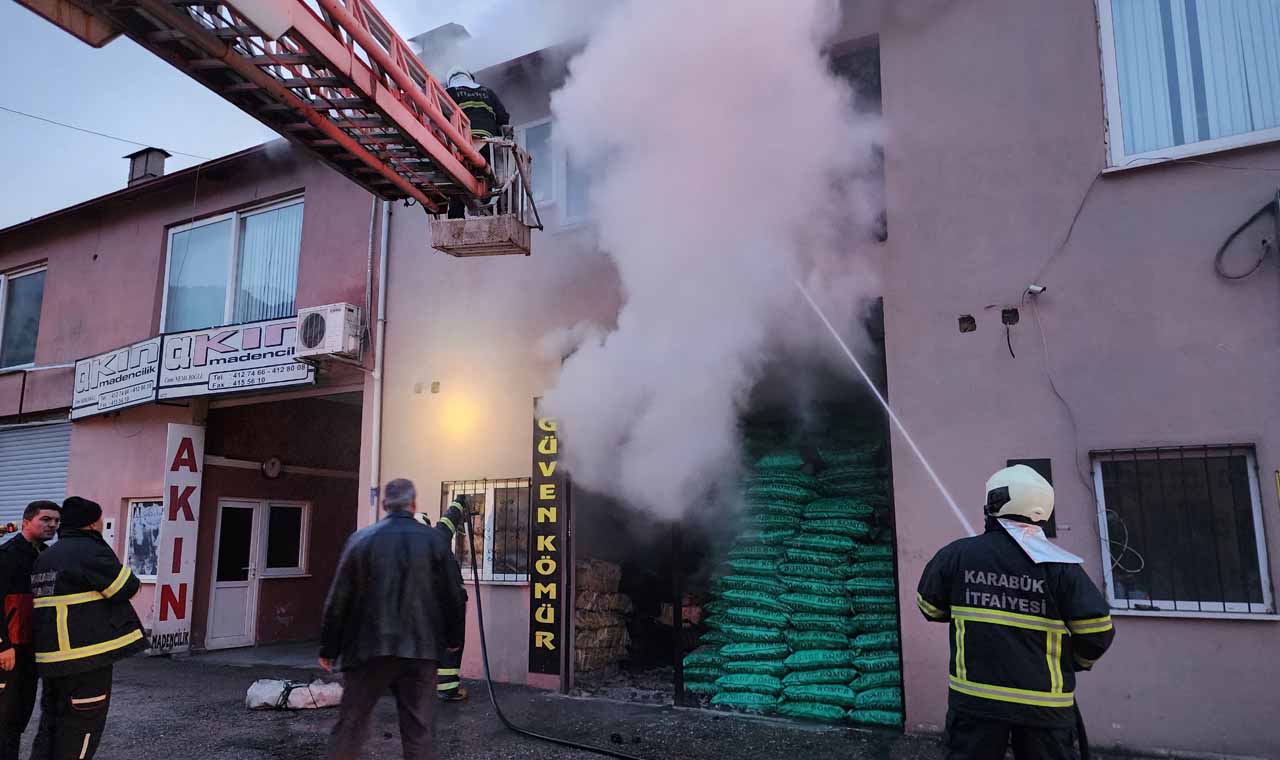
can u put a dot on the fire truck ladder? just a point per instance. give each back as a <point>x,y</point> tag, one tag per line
<point>335,78</point>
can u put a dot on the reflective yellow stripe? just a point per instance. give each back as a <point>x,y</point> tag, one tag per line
<point>1085,662</point>
<point>64,635</point>
<point>961,670</point>
<point>1012,619</point>
<point>448,522</point>
<point>929,609</point>
<point>121,579</point>
<point>447,686</point>
<point>466,104</point>
<point>1053,652</point>
<point>80,653</point>
<point>1006,694</point>
<point>450,671</point>
<point>1096,625</point>
<point>89,700</point>
<point>65,599</point>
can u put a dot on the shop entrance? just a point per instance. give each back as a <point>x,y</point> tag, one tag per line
<point>235,586</point>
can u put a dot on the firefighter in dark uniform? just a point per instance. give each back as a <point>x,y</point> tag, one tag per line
<point>1024,617</point>
<point>449,679</point>
<point>84,623</point>
<point>17,659</point>
<point>487,114</point>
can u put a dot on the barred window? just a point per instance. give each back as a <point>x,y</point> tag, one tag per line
<point>500,523</point>
<point>1183,529</point>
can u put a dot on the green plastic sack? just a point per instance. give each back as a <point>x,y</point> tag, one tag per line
<point>748,651</point>
<point>785,477</point>
<point>851,472</point>
<point>756,599</point>
<point>876,717</point>
<point>755,551</point>
<point>812,711</point>
<point>872,622</point>
<point>747,682</point>
<point>766,567</point>
<point>746,701</point>
<point>751,634</point>
<point>775,668</point>
<point>871,586</point>
<point>870,552</point>
<point>852,528</point>
<point>810,557</point>
<point>831,694</point>
<point>716,607</point>
<point>815,572</point>
<point>715,638</point>
<point>801,640</point>
<point>833,457</point>
<point>852,487</point>
<point>775,508</point>
<point>816,603</point>
<point>820,621</point>
<point>704,658</point>
<point>834,544</point>
<point>867,681</point>
<point>756,583</point>
<point>757,617</point>
<point>819,659</point>
<point>782,492</point>
<point>701,687</point>
<point>772,521</point>
<point>877,663</point>
<point>872,603</point>
<point>706,675</point>
<point>811,586</point>
<point>780,460</point>
<point>822,675</point>
<point>868,642</point>
<point>772,537</point>
<point>880,568</point>
<point>839,507</point>
<point>885,698</point>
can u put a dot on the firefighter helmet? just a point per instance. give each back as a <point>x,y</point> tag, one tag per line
<point>1019,491</point>
<point>457,72</point>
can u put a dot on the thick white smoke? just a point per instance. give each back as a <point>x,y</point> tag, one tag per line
<point>725,161</point>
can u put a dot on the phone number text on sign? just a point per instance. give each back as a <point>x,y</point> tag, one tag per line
<point>250,378</point>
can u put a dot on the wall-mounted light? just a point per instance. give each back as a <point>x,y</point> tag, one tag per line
<point>967,323</point>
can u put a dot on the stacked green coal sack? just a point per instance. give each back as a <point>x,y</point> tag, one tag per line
<point>805,622</point>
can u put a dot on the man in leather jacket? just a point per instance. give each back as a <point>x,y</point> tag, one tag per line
<point>392,613</point>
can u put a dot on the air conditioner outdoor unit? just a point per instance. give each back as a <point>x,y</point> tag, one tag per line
<point>332,330</point>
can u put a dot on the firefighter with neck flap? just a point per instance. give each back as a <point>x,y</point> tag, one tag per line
<point>485,111</point>
<point>449,675</point>
<point>84,623</point>
<point>1024,618</point>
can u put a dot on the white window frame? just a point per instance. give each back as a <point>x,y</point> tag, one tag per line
<point>1186,608</point>
<point>486,487</point>
<point>128,532</point>
<point>233,263</point>
<point>303,568</point>
<point>558,198</point>
<point>4,306</point>
<point>1116,158</point>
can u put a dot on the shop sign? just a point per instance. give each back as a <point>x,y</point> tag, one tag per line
<point>179,532</point>
<point>116,380</point>
<point>546,577</point>
<point>234,358</point>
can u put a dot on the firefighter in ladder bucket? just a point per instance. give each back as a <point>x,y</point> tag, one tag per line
<point>487,114</point>
<point>1024,617</point>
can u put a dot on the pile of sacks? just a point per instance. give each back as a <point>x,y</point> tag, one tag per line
<point>600,620</point>
<point>805,623</point>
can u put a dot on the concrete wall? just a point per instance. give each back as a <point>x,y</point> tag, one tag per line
<point>995,127</point>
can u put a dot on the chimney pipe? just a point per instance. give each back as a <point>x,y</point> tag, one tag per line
<point>145,165</point>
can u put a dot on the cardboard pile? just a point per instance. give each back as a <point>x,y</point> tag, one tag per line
<point>600,620</point>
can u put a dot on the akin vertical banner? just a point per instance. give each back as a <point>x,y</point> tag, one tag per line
<point>546,560</point>
<point>179,531</point>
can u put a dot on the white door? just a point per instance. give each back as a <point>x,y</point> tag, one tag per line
<point>233,605</point>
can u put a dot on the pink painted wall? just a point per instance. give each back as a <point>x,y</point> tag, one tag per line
<point>995,130</point>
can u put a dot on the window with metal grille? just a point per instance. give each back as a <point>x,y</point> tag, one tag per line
<point>500,523</point>
<point>1183,529</point>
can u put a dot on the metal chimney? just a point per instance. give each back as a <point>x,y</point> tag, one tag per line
<point>146,164</point>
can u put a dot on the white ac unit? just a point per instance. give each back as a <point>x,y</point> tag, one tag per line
<point>332,330</point>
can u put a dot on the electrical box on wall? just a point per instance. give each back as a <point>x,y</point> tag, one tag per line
<point>332,330</point>
<point>109,533</point>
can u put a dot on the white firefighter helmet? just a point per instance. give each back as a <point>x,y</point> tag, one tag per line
<point>1019,491</point>
<point>464,77</point>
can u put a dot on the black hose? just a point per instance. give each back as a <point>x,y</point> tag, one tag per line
<point>488,678</point>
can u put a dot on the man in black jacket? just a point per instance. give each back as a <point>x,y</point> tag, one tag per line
<point>84,623</point>
<point>392,613</point>
<point>1024,618</point>
<point>17,658</point>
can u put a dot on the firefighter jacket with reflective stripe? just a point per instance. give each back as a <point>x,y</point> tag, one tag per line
<point>83,618</point>
<point>17,555</point>
<point>1019,630</point>
<point>481,105</point>
<point>447,526</point>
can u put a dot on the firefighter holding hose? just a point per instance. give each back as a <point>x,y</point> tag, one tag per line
<point>1024,617</point>
<point>449,678</point>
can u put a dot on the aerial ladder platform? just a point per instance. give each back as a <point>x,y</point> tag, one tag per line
<point>335,78</point>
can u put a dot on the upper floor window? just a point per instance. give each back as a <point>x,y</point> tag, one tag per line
<point>1186,77</point>
<point>557,181</point>
<point>234,268</point>
<point>21,295</point>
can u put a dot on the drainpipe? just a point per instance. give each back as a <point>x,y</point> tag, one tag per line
<point>367,337</point>
<point>379,342</point>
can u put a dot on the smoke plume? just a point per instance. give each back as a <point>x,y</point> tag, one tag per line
<point>727,161</point>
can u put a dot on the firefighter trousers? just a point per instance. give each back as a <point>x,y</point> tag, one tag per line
<point>17,700</point>
<point>449,677</point>
<point>973,738</point>
<point>73,714</point>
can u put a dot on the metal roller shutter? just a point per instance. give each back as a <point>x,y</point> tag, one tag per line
<point>33,465</point>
